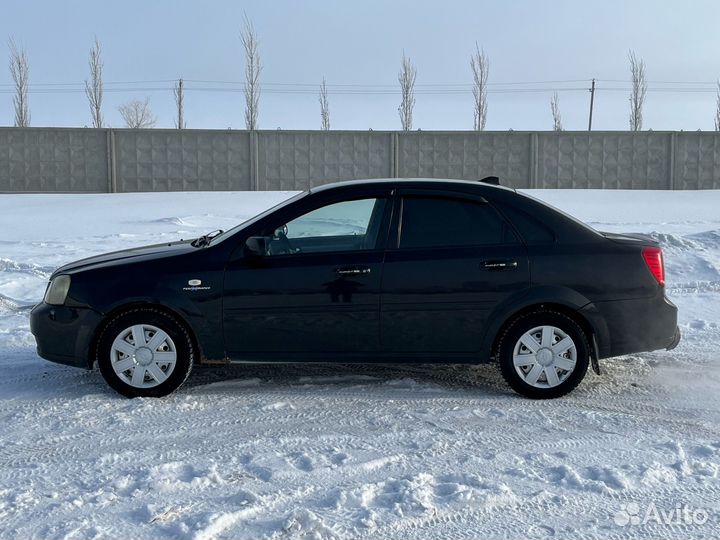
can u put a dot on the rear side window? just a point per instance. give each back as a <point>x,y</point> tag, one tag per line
<point>441,222</point>
<point>530,228</point>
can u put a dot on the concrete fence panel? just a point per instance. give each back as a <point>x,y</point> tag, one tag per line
<point>466,156</point>
<point>53,160</point>
<point>297,160</point>
<point>697,161</point>
<point>182,160</point>
<point>609,160</point>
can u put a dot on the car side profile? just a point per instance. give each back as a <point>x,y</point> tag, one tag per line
<point>391,271</point>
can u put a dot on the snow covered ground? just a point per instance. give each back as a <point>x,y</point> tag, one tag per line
<point>356,451</point>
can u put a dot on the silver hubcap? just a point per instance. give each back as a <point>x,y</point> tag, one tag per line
<point>143,356</point>
<point>544,357</point>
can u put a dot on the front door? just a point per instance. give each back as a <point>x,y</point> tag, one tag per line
<point>453,261</point>
<point>316,291</point>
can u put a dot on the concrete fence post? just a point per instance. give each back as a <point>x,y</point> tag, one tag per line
<point>672,161</point>
<point>111,161</point>
<point>254,180</point>
<point>533,173</point>
<point>394,155</point>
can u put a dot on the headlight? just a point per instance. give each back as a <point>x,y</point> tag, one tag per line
<point>57,291</point>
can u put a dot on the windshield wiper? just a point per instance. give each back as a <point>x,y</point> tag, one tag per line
<point>205,239</point>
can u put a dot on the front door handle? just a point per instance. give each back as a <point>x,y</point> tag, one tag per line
<point>499,265</point>
<point>353,271</point>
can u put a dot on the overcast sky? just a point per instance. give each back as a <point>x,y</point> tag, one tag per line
<point>359,44</point>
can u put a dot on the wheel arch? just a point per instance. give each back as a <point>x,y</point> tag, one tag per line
<point>117,310</point>
<point>563,300</point>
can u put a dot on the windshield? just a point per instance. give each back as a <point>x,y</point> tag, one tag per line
<point>227,234</point>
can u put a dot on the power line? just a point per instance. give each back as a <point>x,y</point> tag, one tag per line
<point>364,85</point>
<point>361,92</point>
<point>658,82</point>
<point>104,83</point>
<point>417,85</point>
<point>222,86</point>
<point>298,90</point>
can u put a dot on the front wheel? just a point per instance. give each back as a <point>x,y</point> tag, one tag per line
<point>145,353</point>
<point>543,354</point>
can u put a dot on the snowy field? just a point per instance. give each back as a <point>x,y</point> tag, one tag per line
<point>356,451</point>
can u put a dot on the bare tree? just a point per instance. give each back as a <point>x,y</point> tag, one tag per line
<point>717,109</point>
<point>137,114</point>
<point>639,89</point>
<point>94,87</point>
<point>20,72</point>
<point>252,74</point>
<point>324,108</point>
<point>179,93</point>
<point>480,65</point>
<point>406,78</point>
<point>555,109</point>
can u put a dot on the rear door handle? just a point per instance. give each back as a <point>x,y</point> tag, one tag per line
<point>499,265</point>
<point>353,271</point>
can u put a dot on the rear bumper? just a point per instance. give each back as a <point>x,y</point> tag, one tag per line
<point>63,334</point>
<point>639,325</point>
<point>675,341</point>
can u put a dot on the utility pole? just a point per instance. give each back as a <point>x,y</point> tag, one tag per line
<point>592,99</point>
<point>180,103</point>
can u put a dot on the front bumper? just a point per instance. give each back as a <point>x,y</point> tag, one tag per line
<point>63,334</point>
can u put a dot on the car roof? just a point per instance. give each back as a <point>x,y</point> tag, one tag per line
<point>431,183</point>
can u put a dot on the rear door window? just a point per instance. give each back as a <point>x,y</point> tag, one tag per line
<point>529,227</point>
<point>433,222</point>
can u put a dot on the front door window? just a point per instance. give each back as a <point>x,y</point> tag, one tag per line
<point>342,226</point>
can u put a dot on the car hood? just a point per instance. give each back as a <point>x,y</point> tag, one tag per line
<point>137,254</point>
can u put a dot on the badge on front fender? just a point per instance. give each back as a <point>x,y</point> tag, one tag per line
<point>195,285</point>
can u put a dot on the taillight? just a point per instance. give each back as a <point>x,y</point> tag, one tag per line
<point>654,260</point>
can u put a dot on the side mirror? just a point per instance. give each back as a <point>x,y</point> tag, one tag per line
<point>256,246</point>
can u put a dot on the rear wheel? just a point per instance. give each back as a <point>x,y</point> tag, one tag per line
<point>145,353</point>
<point>543,354</point>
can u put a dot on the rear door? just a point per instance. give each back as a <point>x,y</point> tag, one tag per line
<point>452,259</point>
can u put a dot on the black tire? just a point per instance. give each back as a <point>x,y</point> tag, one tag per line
<point>184,349</point>
<point>524,323</point>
